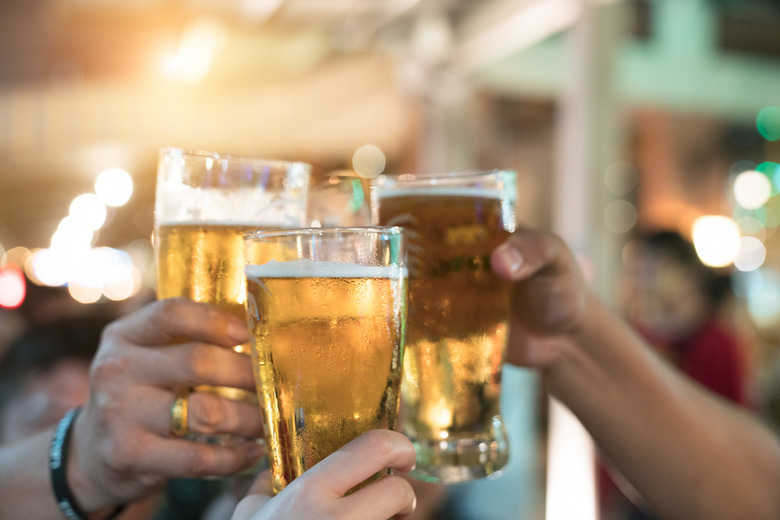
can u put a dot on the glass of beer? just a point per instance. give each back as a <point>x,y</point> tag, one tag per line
<point>327,307</point>
<point>204,204</point>
<point>458,316</point>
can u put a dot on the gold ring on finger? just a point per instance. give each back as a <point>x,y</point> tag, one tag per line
<point>179,411</point>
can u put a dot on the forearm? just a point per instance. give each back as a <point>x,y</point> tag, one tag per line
<point>25,488</point>
<point>686,452</point>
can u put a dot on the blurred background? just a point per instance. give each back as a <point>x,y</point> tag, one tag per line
<point>621,117</point>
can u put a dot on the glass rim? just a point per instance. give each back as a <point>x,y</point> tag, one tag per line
<point>314,231</point>
<point>452,174</point>
<point>243,159</point>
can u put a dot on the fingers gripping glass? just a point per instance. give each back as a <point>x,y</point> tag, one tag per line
<point>327,309</point>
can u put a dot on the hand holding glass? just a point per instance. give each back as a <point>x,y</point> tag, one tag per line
<point>327,308</point>
<point>458,317</point>
<point>204,203</point>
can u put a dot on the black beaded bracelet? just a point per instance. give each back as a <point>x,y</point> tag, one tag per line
<point>58,462</point>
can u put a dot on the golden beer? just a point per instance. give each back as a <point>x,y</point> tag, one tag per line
<point>456,330</point>
<point>328,351</point>
<point>205,202</point>
<point>203,262</point>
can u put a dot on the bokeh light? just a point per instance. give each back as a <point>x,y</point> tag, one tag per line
<point>620,178</point>
<point>124,282</point>
<point>749,225</point>
<point>369,161</point>
<point>761,289</point>
<point>742,165</point>
<point>85,293</point>
<point>751,254</point>
<point>72,236</point>
<point>768,123</point>
<point>49,268</point>
<point>772,171</point>
<point>200,42</point>
<point>13,287</point>
<point>16,256</point>
<point>114,187</point>
<point>88,211</point>
<point>716,239</point>
<point>752,189</point>
<point>620,216</point>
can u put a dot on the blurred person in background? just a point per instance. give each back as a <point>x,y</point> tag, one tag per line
<point>681,307</point>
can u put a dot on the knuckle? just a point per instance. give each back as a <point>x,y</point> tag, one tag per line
<point>201,459</point>
<point>209,412</point>
<point>108,367</point>
<point>111,331</point>
<point>168,310</point>
<point>122,454</point>
<point>398,487</point>
<point>199,361</point>
<point>381,441</point>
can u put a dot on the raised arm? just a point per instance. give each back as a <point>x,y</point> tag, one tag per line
<point>686,451</point>
<point>121,446</point>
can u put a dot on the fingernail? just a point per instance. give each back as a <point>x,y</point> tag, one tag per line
<point>511,257</point>
<point>238,331</point>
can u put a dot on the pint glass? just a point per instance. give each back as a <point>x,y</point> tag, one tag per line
<point>205,202</point>
<point>327,309</point>
<point>458,316</point>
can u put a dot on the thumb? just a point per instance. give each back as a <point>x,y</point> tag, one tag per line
<point>249,506</point>
<point>258,495</point>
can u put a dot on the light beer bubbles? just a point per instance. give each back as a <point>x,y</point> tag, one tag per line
<point>716,239</point>
<point>114,187</point>
<point>752,189</point>
<point>751,254</point>
<point>89,211</point>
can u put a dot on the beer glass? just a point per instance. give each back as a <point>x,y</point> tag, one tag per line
<point>327,307</point>
<point>205,202</point>
<point>458,316</point>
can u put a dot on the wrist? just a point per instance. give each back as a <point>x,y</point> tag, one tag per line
<point>62,475</point>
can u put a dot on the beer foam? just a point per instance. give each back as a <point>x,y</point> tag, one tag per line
<point>177,203</point>
<point>442,191</point>
<point>305,268</point>
<point>238,224</point>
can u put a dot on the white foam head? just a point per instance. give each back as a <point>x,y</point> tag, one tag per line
<point>442,191</point>
<point>306,268</point>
